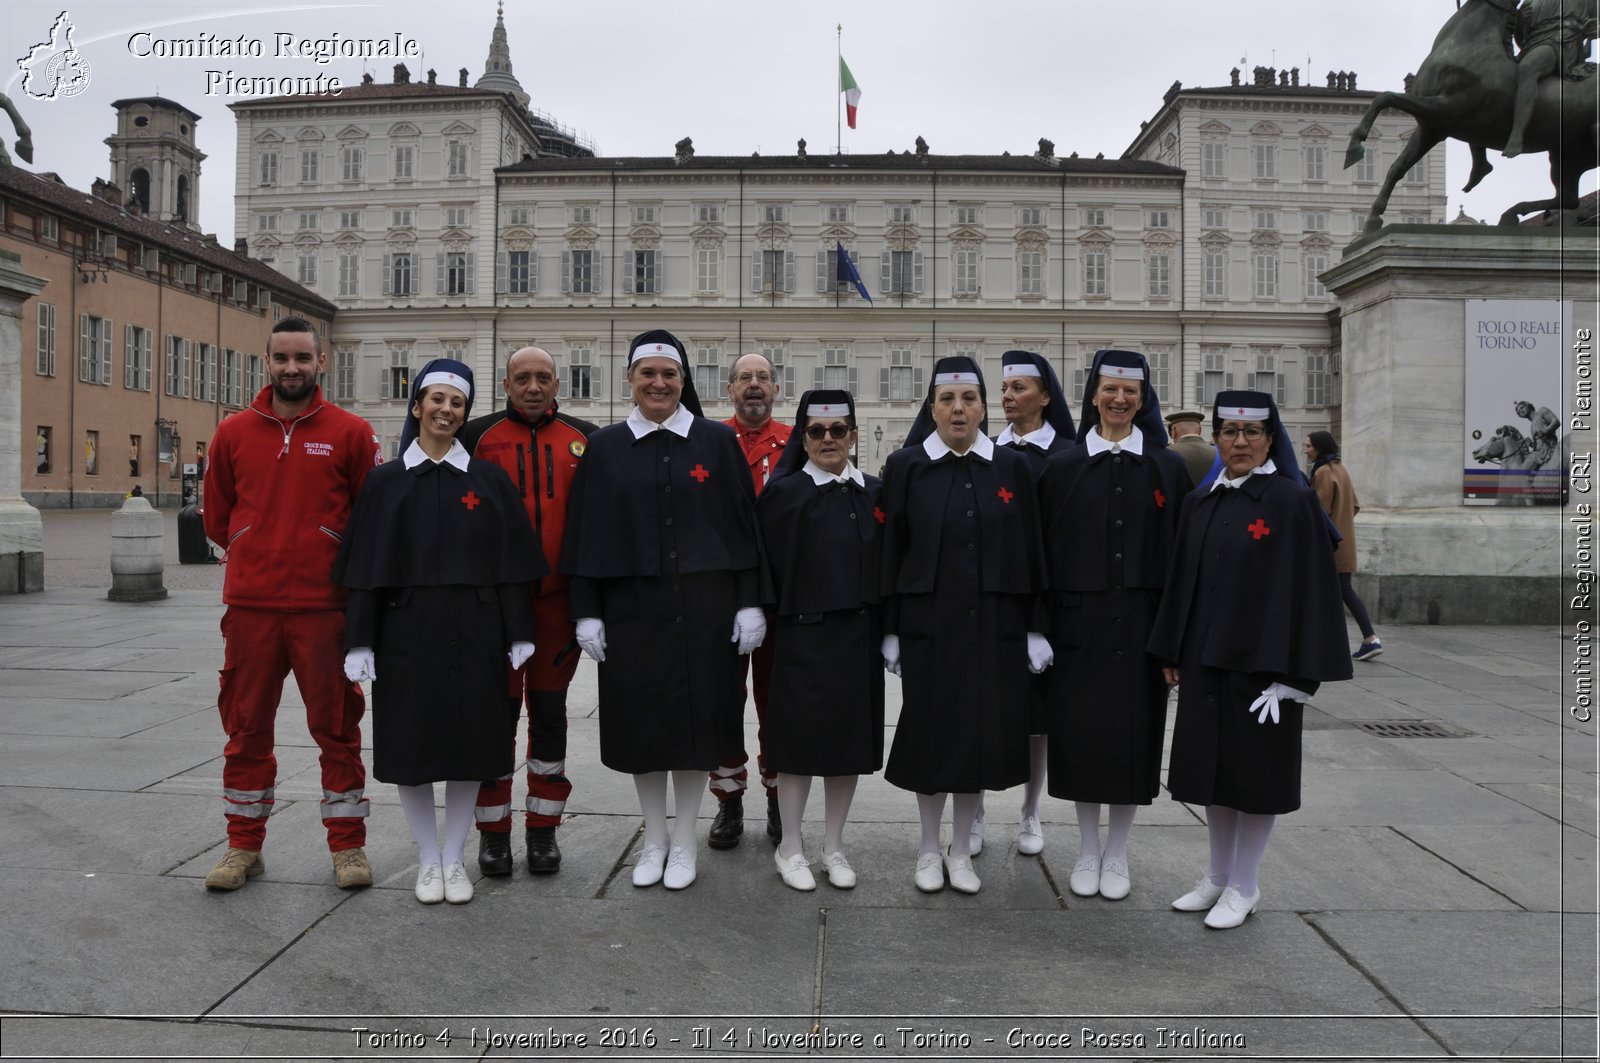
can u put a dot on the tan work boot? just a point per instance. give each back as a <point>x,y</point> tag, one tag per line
<point>235,866</point>
<point>350,868</point>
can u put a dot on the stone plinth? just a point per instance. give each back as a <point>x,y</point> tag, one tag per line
<point>21,531</point>
<point>137,553</point>
<point>1425,557</point>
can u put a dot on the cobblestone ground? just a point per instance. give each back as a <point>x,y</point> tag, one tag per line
<point>77,553</point>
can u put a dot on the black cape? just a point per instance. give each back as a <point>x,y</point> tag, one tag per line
<point>825,709</point>
<point>439,563</point>
<point>1109,523</point>
<point>661,547</point>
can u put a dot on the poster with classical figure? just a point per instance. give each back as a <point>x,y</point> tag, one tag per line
<point>1516,440</point>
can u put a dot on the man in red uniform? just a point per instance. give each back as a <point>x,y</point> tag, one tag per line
<point>752,388</point>
<point>279,483</point>
<point>539,447</point>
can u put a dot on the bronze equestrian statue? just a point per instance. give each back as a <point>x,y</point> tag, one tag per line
<point>1473,88</point>
<point>24,141</point>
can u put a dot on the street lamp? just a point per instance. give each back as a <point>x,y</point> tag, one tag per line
<point>877,436</point>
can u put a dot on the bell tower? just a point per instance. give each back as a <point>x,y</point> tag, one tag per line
<point>154,159</point>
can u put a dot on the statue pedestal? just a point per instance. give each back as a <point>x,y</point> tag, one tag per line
<point>1423,556</point>
<point>21,531</point>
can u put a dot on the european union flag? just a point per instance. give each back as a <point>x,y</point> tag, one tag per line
<point>847,272</point>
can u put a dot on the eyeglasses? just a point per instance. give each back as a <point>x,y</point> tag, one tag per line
<point>1253,433</point>
<point>816,432</point>
<point>746,379</point>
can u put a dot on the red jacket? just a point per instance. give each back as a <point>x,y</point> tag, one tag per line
<point>762,447</point>
<point>541,460</point>
<point>277,497</point>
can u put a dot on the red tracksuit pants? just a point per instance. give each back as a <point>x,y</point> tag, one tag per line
<point>542,683</point>
<point>260,647</point>
<point>733,778</point>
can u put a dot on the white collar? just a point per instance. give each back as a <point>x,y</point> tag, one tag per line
<point>678,424</point>
<point>456,455</point>
<point>823,479</point>
<point>1265,470</point>
<point>1041,438</point>
<point>1097,443</point>
<point>935,448</point>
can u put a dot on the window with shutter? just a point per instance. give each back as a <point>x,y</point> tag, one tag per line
<point>45,351</point>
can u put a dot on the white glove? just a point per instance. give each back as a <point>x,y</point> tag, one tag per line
<point>1267,703</point>
<point>519,653</point>
<point>592,637</point>
<point>359,664</point>
<point>749,629</point>
<point>891,653</point>
<point>1040,655</point>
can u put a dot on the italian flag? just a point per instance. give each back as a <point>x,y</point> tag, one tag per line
<point>852,92</point>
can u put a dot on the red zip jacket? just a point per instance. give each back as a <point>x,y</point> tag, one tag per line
<point>278,495</point>
<point>541,460</point>
<point>762,447</point>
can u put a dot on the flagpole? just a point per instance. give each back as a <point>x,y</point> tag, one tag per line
<point>838,96</point>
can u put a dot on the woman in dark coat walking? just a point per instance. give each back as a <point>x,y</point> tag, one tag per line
<point>963,564</point>
<point>1109,507</point>
<point>661,547</point>
<point>1331,482</point>
<point>439,558</point>
<point>819,529</point>
<point>1252,623</point>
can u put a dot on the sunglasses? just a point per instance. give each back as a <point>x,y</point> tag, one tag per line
<point>817,431</point>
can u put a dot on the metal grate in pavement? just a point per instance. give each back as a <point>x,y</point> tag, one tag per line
<point>1410,729</point>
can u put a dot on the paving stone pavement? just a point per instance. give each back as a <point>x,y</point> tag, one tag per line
<point>1435,897</point>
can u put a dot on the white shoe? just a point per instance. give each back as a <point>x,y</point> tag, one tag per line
<point>975,836</point>
<point>958,869</point>
<point>430,883</point>
<point>841,876</point>
<point>680,868</point>
<point>795,871</point>
<point>457,884</point>
<point>647,870</point>
<point>1085,880</point>
<point>1231,909</point>
<point>1030,837</point>
<point>1114,881</point>
<point>1201,898</point>
<point>930,873</point>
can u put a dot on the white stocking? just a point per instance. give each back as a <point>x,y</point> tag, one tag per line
<point>1088,829</point>
<point>652,789</point>
<point>963,808</point>
<point>838,791</point>
<point>460,795</point>
<point>1119,822</point>
<point>1038,759</point>
<point>417,803</point>
<point>930,809</point>
<point>1254,832</point>
<point>792,793</point>
<point>688,787</point>
<point>1222,825</point>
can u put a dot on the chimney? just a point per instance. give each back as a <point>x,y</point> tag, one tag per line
<point>241,247</point>
<point>367,79</point>
<point>433,76</point>
<point>402,76</point>
<point>105,190</point>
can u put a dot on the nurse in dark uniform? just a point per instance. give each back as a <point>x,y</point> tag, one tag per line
<point>1038,424</point>
<point>661,547</point>
<point>819,528</point>
<point>439,558</point>
<point>1252,623</point>
<point>963,564</point>
<point>1109,506</point>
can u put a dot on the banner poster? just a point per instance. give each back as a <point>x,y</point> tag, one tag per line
<point>1516,443</point>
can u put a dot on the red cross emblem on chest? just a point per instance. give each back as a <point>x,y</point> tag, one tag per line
<point>1258,529</point>
<point>1161,499</point>
<point>1005,496</point>
<point>699,473</point>
<point>470,500</point>
<point>879,514</point>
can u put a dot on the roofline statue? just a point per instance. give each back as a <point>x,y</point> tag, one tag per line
<point>1474,88</point>
<point>24,142</point>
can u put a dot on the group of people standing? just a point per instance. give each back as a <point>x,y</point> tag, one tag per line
<point>1037,593</point>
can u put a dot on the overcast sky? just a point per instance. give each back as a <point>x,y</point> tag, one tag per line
<point>740,76</point>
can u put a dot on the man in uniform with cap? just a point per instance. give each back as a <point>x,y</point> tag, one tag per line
<point>279,486</point>
<point>752,388</point>
<point>1190,443</point>
<point>539,447</point>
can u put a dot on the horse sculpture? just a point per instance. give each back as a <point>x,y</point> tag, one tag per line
<point>1465,90</point>
<point>1507,448</point>
<point>24,141</point>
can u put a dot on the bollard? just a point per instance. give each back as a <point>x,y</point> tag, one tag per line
<point>136,553</point>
